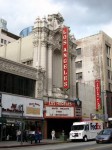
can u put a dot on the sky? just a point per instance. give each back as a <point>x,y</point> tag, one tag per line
<point>84,17</point>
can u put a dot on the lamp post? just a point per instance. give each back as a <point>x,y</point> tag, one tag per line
<point>21,108</point>
<point>103,106</point>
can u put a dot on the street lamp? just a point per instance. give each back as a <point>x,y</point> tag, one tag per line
<point>21,108</point>
<point>103,107</point>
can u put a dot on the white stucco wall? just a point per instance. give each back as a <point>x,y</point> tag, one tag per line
<point>19,50</point>
<point>2,51</point>
<point>13,50</point>
<point>27,47</point>
<point>87,96</point>
<point>91,50</point>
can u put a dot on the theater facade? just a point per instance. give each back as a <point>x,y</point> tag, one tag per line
<point>44,65</point>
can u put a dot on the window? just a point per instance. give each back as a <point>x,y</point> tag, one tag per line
<point>78,51</point>
<point>29,62</point>
<point>79,76</point>
<point>78,64</point>
<point>108,62</point>
<point>1,40</point>
<point>109,86</point>
<point>109,74</point>
<point>5,41</point>
<point>86,127</point>
<point>16,84</point>
<point>107,49</point>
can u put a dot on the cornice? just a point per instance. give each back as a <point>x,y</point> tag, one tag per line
<point>17,68</point>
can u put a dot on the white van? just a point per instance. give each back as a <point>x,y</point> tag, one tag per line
<point>85,130</point>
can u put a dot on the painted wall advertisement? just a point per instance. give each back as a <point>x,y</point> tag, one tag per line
<point>59,110</point>
<point>11,105</point>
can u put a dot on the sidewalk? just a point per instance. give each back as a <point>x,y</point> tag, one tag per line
<point>8,144</point>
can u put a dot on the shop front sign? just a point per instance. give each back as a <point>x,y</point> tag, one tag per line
<point>31,107</point>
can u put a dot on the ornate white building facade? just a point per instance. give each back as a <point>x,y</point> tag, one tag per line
<point>43,50</point>
<point>48,53</point>
<point>47,57</point>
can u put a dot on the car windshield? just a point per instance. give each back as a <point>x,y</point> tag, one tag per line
<point>77,127</point>
<point>105,132</point>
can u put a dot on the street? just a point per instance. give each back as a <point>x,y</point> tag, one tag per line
<point>91,145</point>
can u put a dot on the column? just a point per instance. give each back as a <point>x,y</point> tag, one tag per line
<point>45,129</point>
<point>36,53</point>
<point>43,55</point>
<point>50,70</point>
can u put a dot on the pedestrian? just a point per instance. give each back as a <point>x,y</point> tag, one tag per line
<point>18,135</point>
<point>38,136</point>
<point>53,134</point>
<point>63,133</point>
<point>25,136</point>
<point>8,137</point>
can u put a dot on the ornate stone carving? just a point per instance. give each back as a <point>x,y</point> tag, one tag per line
<point>44,43</point>
<point>57,41</point>
<point>17,68</point>
<point>56,20</point>
<point>35,42</point>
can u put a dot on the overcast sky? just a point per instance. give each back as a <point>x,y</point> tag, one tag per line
<point>84,17</point>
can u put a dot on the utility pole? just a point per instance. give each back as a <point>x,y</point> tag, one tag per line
<point>21,108</point>
<point>103,106</point>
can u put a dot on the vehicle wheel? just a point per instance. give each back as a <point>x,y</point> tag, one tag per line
<point>85,139</point>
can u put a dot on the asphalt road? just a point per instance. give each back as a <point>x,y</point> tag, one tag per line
<point>91,145</point>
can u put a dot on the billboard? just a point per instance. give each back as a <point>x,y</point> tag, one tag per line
<point>65,60</point>
<point>59,109</point>
<point>31,107</point>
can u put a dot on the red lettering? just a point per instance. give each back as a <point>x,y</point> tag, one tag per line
<point>65,78</point>
<point>65,84</point>
<point>65,49</point>
<point>65,72</point>
<point>65,66</point>
<point>65,55</point>
<point>65,37</point>
<point>65,60</point>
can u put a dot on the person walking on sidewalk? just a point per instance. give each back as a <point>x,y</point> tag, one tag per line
<point>53,134</point>
<point>18,134</point>
<point>38,136</point>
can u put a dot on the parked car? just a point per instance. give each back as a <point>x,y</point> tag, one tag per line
<point>104,136</point>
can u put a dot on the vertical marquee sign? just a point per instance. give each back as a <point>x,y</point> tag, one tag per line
<point>65,57</point>
<point>97,93</point>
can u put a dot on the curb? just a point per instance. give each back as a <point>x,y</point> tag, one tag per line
<point>38,144</point>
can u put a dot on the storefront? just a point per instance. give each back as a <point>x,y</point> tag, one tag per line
<point>59,115</point>
<point>20,113</point>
